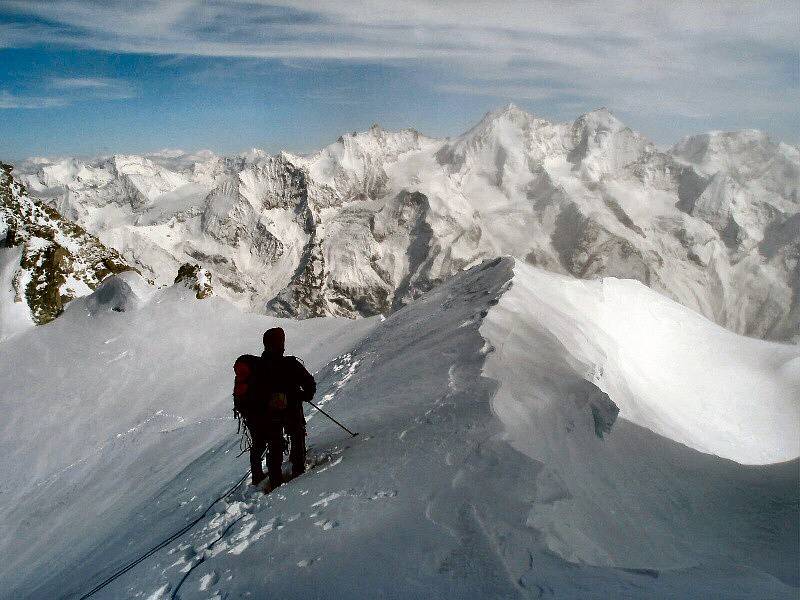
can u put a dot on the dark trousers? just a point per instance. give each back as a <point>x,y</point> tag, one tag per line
<point>269,436</point>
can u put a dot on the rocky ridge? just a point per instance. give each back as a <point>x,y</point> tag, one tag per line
<point>59,260</point>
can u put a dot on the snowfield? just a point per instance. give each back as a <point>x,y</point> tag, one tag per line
<point>523,434</point>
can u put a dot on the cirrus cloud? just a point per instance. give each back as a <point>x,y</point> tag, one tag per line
<point>680,58</point>
<point>63,91</point>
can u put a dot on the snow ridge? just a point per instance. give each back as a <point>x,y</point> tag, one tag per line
<point>490,462</point>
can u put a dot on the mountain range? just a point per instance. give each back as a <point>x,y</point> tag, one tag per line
<point>539,425</point>
<point>371,221</point>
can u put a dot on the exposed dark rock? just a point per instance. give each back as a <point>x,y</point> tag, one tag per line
<point>586,249</point>
<point>195,279</point>
<point>47,263</point>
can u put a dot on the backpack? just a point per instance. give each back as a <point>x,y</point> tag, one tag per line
<point>246,386</point>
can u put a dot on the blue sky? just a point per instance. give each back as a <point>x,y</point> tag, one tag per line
<point>91,77</point>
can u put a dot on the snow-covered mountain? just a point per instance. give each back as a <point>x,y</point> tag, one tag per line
<point>544,410</point>
<point>368,223</point>
<point>523,434</point>
<point>45,260</point>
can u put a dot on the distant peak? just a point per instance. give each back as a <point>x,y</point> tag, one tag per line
<point>601,111</point>
<point>600,119</point>
<point>253,154</point>
<point>508,115</point>
<point>508,112</point>
<point>167,153</point>
<point>508,109</point>
<point>122,162</point>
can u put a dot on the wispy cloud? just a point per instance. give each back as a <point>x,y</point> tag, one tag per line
<point>98,88</point>
<point>81,83</point>
<point>682,58</point>
<point>63,91</point>
<point>9,100</point>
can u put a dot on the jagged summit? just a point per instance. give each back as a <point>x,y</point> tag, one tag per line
<point>748,153</point>
<point>354,164</point>
<point>505,139</point>
<point>369,221</point>
<point>510,115</point>
<point>503,117</point>
<point>602,144</point>
<point>600,118</point>
<point>509,111</point>
<point>253,154</point>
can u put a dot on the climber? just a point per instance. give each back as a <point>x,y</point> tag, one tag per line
<point>271,391</point>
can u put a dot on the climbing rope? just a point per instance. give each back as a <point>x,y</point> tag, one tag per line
<point>120,572</point>
<point>244,444</point>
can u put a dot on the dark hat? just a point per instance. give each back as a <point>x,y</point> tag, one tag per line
<point>274,339</point>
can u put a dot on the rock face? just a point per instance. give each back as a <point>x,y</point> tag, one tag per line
<point>59,260</point>
<point>196,279</point>
<point>373,220</point>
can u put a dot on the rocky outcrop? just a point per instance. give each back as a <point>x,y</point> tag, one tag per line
<point>196,279</point>
<point>60,261</point>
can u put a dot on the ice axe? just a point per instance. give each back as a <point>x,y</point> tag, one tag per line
<point>332,419</point>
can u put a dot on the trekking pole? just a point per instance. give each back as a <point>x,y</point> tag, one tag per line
<point>332,419</point>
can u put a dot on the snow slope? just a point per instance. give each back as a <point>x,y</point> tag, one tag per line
<point>107,404</point>
<point>491,462</point>
<point>666,367</point>
<point>377,218</point>
<point>14,316</point>
<point>636,497</point>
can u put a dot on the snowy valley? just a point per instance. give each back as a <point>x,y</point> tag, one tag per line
<point>571,358</point>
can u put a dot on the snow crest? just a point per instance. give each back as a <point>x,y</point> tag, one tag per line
<point>491,460</point>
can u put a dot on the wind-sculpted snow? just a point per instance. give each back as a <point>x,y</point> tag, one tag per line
<point>705,222</point>
<point>666,367</point>
<point>516,441</point>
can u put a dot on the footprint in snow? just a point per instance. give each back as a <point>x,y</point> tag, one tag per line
<point>307,562</point>
<point>323,502</point>
<point>384,494</point>
<point>207,580</point>
<point>327,524</point>
<point>161,593</point>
